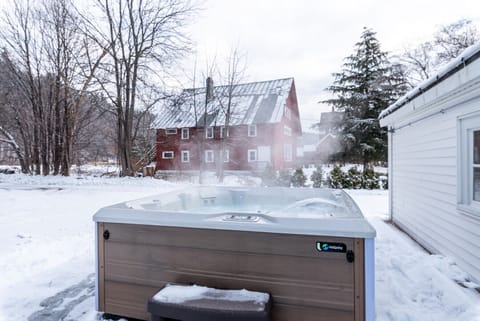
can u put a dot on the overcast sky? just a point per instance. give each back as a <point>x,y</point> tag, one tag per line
<point>308,39</point>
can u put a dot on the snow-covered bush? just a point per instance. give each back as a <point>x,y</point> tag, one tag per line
<point>354,179</point>
<point>269,176</point>
<point>354,176</point>
<point>370,179</point>
<point>317,177</point>
<point>383,181</point>
<point>298,179</point>
<point>337,178</point>
<point>284,178</point>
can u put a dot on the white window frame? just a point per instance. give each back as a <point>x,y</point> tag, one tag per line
<point>170,131</point>
<point>209,152</point>
<point>226,155</point>
<point>164,153</point>
<point>466,203</point>
<point>185,133</point>
<point>252,130</point>
<point>224,130</point>
<point>185,152</point>
<point>287,131</point>
<point>287,152</point>
<point>255,153</point>
<point>209,133</point>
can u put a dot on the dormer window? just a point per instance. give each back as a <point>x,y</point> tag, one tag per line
<point>252,130</point>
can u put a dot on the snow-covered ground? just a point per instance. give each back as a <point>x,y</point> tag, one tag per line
<point>47,253</point>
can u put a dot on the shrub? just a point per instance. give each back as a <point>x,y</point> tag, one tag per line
<point>269,176</point>
<point>317,177</point>
<point>298,179</point>
<point>370,179</point>
<point>284,178</point>
<point>384,181</point>
<point>337,178</point>
<point>355,178</point>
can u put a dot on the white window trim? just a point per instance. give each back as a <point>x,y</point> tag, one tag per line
<point>248,155</point>
<point>254,130</point>
<point>287,131</point>
<point>224,130</point>
<point>290,154</point>
<point>168,151</point>
<point>465,127</point>
<point>226,153</point>
<point>185,130</point>
<point>185,152</point>
<point>209,130</point>
<point>170,131</point>
<point>208,151</point>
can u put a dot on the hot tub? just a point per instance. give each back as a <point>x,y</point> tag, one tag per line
<point>311,249</point>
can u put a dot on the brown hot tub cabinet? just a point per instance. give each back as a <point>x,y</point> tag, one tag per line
<point>311,249</point>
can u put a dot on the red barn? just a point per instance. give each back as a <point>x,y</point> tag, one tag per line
<point>242,127</point>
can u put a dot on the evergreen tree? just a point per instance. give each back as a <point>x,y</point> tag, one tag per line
<point>367,84</point>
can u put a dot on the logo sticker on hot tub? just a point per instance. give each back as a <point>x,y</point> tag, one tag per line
<point>331,247</point>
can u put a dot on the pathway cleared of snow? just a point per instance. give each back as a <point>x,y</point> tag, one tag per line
<point>47,253</point>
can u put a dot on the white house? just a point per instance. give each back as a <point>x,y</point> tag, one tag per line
<point>434,161</point>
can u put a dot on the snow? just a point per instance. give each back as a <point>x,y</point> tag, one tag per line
<point>183,293</point>
<point>47,253</point>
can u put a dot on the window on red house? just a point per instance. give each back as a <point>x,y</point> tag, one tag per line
<point>185,156</point>
<point>209,132</point>
<point>209,156</point>
<point>167,155</point>
<point>252,130</point>
<point>185,133</point>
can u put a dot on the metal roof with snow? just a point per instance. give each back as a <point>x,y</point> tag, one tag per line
<point>252,103</point>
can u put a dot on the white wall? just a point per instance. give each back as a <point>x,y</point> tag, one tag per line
<point>423,169</point>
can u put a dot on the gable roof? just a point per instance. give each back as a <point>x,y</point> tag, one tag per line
<point>252,103</point>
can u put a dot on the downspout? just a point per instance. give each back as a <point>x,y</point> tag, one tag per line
<point>391,131</point>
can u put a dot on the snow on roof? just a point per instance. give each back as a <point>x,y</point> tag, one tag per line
<point>466,57</point>
<point>252,103</point>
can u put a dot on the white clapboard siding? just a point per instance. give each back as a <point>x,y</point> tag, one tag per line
<point>424,182</point>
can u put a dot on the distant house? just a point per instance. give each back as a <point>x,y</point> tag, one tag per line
<point>330,123</point>
<point>434,161</point>
<point>330,128</point>
<point>262,129</point>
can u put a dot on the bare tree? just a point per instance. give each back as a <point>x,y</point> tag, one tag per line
<point>419,63</point>
<point>448,42</point>
<point>142,39</point>
<point>232,77</point>
<point>452,39</point>
<point>52,65</point>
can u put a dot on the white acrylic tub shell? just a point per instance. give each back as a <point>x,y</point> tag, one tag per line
<point>303,211</point>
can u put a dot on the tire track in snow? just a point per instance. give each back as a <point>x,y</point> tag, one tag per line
<point>59,306</point>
